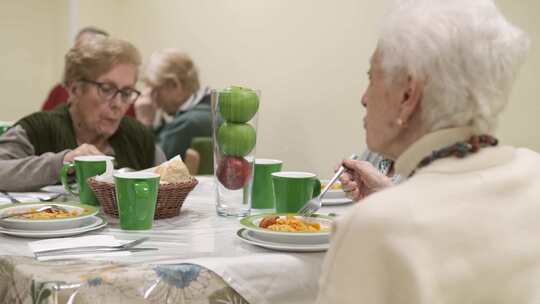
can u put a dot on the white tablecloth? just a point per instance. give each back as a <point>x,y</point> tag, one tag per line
<point>202,237</point>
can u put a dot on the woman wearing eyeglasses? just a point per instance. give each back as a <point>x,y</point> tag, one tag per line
<point>100,76</point>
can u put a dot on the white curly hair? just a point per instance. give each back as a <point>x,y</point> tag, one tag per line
<point>467,53</point>
<point>172,65</point>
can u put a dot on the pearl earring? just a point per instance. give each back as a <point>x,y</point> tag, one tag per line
<point>399,122</point>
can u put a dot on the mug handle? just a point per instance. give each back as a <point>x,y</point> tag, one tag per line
<point>316,187</point>
<point>64,178</point>
<point>142,190</point>
<point>109,167</point>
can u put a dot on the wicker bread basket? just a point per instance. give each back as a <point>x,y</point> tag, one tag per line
<point>169,201</point>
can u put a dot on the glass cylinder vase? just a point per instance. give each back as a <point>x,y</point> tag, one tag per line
<point>234,116</point>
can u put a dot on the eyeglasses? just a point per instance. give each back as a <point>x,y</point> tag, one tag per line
<point>109,91</point>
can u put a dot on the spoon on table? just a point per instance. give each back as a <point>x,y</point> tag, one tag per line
<point>50,198</point>
<point>40,209</point>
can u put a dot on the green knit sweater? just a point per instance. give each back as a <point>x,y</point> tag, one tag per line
<point>133,143</point>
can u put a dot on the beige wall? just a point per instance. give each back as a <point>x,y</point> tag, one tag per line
<point>308,57</point>
<point>520,123</point>
<point>33,38</point>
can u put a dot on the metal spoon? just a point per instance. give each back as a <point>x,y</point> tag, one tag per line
<point>51,198</point>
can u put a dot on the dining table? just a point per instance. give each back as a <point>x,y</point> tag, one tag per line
<point>199,260</point>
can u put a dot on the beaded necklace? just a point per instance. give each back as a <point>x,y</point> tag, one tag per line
<point>460,149</point>
<point>385,165</point>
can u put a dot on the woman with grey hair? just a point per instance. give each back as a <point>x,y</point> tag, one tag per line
<point>459,229</point>
<point>100,75</point>
<point>174,104</point>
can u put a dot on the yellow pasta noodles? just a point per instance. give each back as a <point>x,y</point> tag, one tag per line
<point>291,223</point>
<point>48,214</point>
<point>335,186</point>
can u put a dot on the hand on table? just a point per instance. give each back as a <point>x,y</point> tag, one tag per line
<point>84,149</point>
<point>362,179</point>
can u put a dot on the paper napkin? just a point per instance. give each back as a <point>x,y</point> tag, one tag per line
<point>74,242</point>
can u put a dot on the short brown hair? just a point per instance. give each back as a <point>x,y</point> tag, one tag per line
<point>172,65</point>
<point>96,57</point>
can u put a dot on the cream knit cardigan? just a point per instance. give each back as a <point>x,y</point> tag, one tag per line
<point>459,231</point>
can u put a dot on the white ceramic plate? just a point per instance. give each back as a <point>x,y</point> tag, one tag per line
<point>336,201</point>
<point>269,241</point>
<point>334,192</point>
<point>252,223</point>
<point>85,211</point>
<point>90,224</point>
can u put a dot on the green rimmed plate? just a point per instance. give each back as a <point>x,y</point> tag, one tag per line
<point>84,212</point>
<point>251,223</point>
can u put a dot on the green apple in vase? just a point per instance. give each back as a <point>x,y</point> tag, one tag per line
<point>236,139</point>
<point>238,104</point>
<point>233,172</point>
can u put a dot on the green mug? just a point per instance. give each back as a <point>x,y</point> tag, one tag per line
<point>136,197</point>
<point>85,167</point>
<point>262,193</point>
<point>293,190</point>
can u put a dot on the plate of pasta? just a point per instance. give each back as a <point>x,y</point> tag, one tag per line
<point>290,226</point>
<point>73,215</point>
<point>89,224</point>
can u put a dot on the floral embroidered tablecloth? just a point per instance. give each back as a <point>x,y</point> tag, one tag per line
<point>25,280</point>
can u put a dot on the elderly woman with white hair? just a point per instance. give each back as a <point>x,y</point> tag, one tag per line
<point>174,104</point>
<point>461,228</point>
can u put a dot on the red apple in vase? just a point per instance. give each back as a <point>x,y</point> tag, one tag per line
<point>233,172</point>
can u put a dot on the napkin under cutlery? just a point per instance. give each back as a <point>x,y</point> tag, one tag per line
<point>71,244</point>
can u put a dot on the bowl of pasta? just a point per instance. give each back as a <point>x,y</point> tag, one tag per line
<point>72,215</point>
<point>289,227</point>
